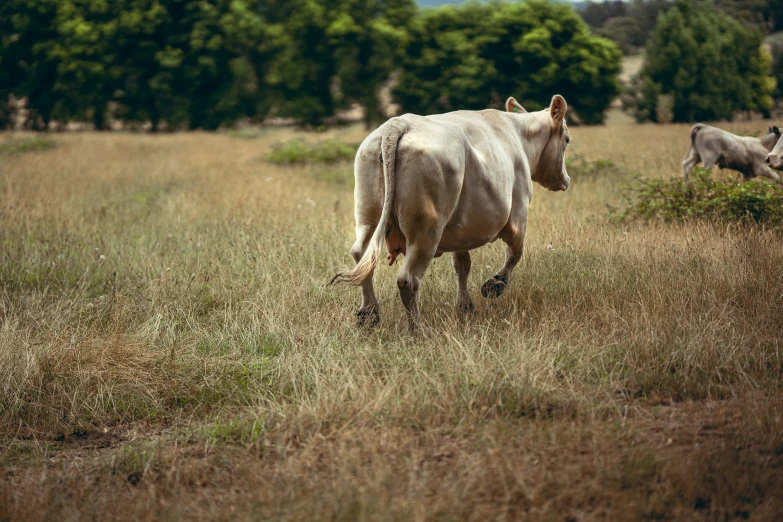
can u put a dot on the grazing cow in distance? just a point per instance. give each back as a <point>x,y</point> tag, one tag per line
<point>450,183</point>
<point>713,146</point>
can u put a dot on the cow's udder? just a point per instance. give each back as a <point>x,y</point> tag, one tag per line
<point>395,242</point>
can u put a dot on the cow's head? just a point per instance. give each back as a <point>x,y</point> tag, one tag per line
<point>774,159</point>
<point>550,171</point>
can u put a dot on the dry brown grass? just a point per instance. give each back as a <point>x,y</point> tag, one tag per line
<point>168,349</point>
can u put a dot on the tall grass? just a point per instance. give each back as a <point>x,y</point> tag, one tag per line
<point>166,333</point>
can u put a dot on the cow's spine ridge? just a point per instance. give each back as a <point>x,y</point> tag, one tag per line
<point>390,137</point>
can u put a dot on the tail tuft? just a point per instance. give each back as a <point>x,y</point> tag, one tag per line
<point>356,276</point>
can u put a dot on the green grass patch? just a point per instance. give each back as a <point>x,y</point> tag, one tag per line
<point>30,144</point>
<point>343,177</point>
<point>246,133</point>
<point>703,197</point>
<point>297,152</point>
<point>236,431</point>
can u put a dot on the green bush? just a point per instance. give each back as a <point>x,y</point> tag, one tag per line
<point>34,143</point>
<point>297,152</point>
<point>247,133</point>
<point>705,198</point>
<point>580,168</point>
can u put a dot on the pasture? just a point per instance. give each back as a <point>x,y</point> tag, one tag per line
<point>169,348</point>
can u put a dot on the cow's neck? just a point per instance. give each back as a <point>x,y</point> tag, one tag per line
<point>769,140</point>
<point>535,129</point>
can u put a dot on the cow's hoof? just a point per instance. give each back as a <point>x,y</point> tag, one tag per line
<point>369,317</point>
<point>494,287</point>
<point>467,308</point>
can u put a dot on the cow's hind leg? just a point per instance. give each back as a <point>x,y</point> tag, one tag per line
<point>369,313</point>
<point>710,160</point>
<point>514,237</point>
<point>461,263</point>
<point>418,256</point>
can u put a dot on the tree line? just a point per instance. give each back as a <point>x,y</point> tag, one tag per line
<point>703,64</point>
<point>179,64</point>
<point>208,63</point>
<point>630,24</point>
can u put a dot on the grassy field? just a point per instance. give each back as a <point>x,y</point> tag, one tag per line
<point>169,348</point>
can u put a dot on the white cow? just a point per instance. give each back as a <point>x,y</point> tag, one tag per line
<point>450,183</point>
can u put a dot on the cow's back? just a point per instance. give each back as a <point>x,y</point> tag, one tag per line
<point>461,166</point>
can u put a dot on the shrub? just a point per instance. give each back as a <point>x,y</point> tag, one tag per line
<point>297,152</point>
<point>704,198</point>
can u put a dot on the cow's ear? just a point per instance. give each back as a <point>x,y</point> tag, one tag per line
<point>775,130</point>
<point>557,110</point>
<point>513,106</point>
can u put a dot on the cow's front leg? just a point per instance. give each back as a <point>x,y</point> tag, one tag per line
<point>461,263</point>
<point>514,237</point>
<point>369,313</point>
<point>759,169</point>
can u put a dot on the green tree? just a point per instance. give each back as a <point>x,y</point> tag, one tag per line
<point>711,65</point>
<point>149,86</point>
<point>9,69</point>
<point>369,40</point>
<point>339,51</point>
<point>29,71</point>
<point>473,56</point>
<point>87,73</point>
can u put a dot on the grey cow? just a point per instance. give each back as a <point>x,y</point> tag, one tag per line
<point>747,155</point>
<point>426,185</point>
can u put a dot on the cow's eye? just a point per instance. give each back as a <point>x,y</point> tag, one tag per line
<point>568,140</point>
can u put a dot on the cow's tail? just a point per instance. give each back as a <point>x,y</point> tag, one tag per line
<point>695,130</point>
<point>390,136</point>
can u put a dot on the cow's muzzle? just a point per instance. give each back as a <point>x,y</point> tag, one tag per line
<point>774,162</point>
<point>564,184</point>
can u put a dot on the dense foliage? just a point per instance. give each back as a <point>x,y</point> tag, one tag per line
<point>630,24</point>
<point>704,197</point>
<point>703,65</point>
<point>469,57</point>
<point>196,62</point>
<point>207,63</point>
